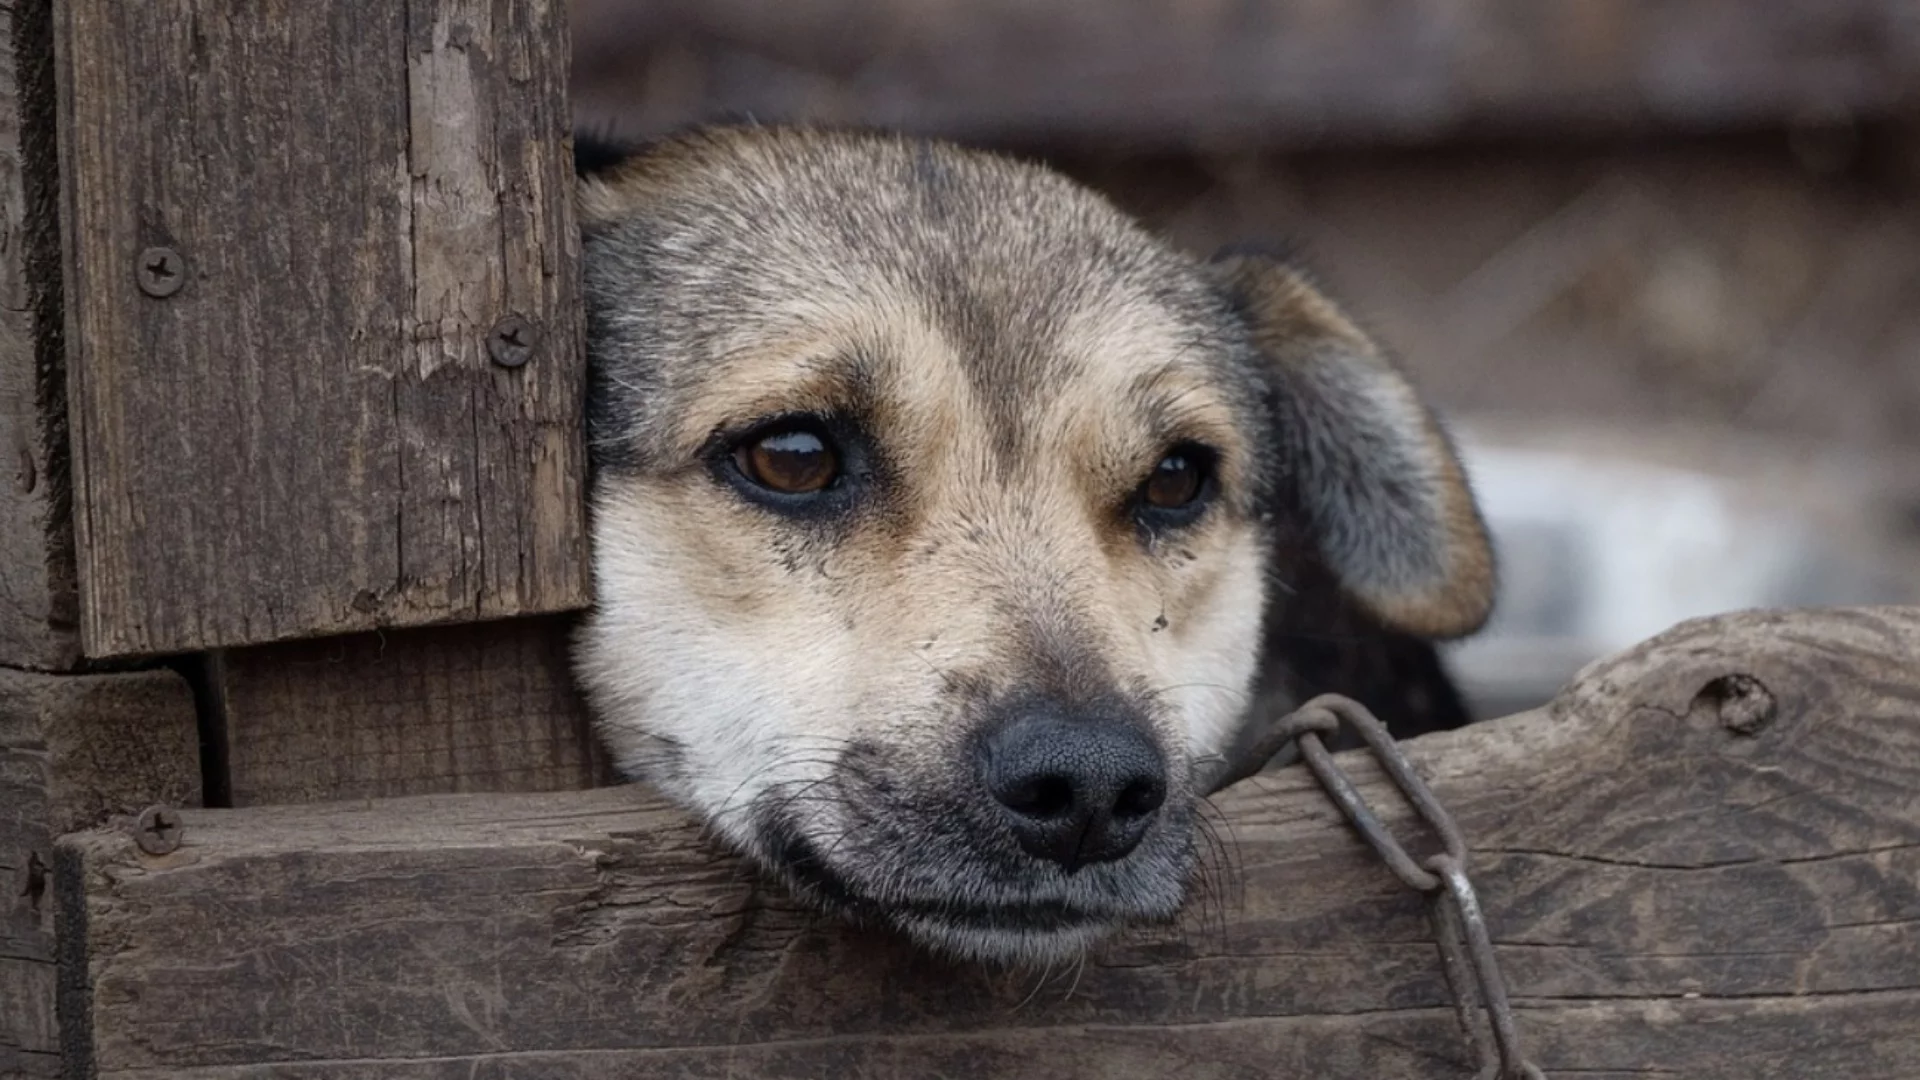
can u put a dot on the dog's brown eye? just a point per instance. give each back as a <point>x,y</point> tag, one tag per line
<point>1176,481</point>
<point>789,462</point>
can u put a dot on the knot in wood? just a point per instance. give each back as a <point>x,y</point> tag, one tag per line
<point>1743,703</point>
<point>33,880</point>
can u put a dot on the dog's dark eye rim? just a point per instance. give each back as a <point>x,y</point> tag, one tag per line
<point>1176,491</point>
<point>735,460</point>
<point>789,461</point>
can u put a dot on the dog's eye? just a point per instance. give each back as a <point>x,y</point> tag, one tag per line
<point>795,461</point>
<point>1177,491</point>
<point>1178,480</point>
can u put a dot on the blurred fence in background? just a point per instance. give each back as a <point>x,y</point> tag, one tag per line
<point>1658,261</point>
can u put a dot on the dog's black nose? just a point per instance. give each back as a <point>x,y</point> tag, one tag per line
<point>1075,789</point>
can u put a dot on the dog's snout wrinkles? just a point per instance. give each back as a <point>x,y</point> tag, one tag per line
<point>1075,790</point>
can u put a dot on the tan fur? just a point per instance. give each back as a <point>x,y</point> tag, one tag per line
<point>974,549</point>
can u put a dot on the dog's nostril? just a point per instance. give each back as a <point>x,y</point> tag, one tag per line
<point>1039,797</point>
<point>1141,797</point>
<point>1074,790</point>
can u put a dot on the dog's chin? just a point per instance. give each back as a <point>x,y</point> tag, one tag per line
<point>1041,926</point>
<point>1004,943</point>
<point>1035,934</point>
<point>1038,937</point>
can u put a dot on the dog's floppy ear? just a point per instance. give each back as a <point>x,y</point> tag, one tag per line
<point>597,151</point>
<point>1370,472</point>
<point>603,165</point>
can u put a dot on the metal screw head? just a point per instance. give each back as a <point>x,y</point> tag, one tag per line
<point>161,271</point>
<point>512,340</point>
<point>157,830</point>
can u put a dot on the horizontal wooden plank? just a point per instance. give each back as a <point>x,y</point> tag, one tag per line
<point>1865,1035</point>
<point>287,419</point>
<point>1699,861</point>
<point>485,707</point>
<point>1281,72</point>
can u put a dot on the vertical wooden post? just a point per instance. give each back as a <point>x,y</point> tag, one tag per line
<point>76,751</point>
<point>38,603</point>
<point>326,372</point>
<point>324,331</point>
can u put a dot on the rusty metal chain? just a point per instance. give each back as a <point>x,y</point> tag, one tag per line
<point>1466,949</point>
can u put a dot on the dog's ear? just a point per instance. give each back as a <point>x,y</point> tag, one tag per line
<point>596,152</point>
<point>1370,473</point>
<point>605,191</point>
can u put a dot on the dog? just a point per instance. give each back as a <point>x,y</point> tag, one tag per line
<point>949,529</point>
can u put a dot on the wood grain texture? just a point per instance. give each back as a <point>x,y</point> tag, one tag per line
<point>38,601</point>
<point>309,437</point>
<point>486,707</point>
<point>1184,72</point>
<point>74,752</point>
<point>1701,861</point>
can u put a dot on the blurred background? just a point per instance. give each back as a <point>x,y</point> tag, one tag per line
<point>1658,261</point>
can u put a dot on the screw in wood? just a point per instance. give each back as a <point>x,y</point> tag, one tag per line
<point>512,340</point>
<point>161,271</point>
<point>157,830</point>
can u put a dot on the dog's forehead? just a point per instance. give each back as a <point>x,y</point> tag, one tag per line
<point>795,263</point>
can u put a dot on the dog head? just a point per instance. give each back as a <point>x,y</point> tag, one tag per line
<point>938,511</point>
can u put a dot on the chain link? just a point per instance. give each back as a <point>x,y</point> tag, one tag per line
<point>1460,927</point>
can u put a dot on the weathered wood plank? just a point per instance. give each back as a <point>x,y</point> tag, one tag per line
<point>1700,861</point>
<point>309,435</point>
<point>38,601</point>
<point>1865,1035</point>
<point>486,707</point>
<point>74,752</point>
<point>1184,72</point>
